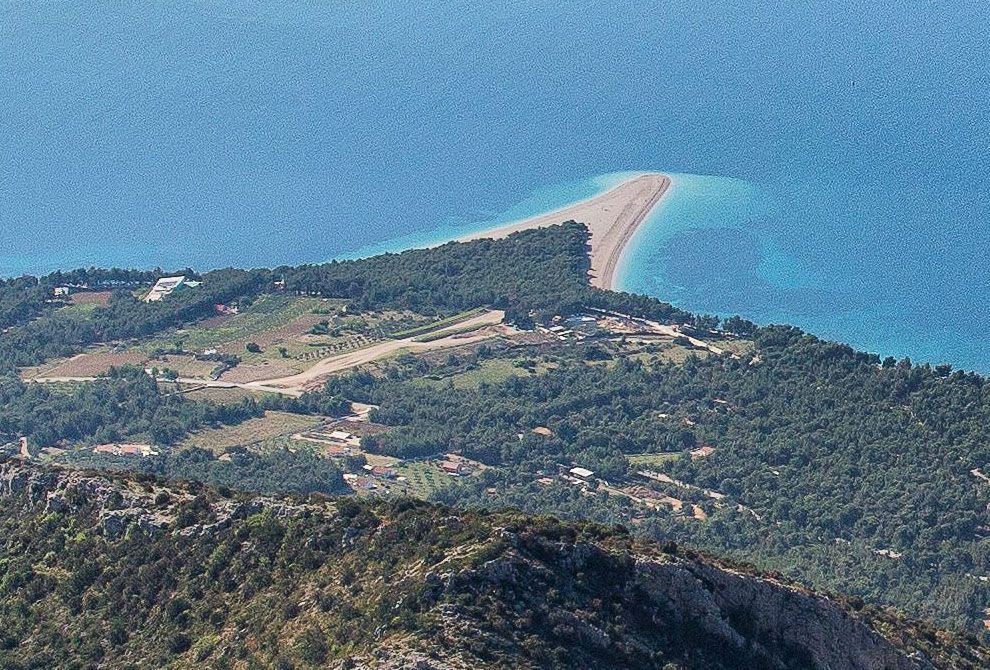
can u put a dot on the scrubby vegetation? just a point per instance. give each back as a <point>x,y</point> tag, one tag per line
<point>278,471</point>
<point>831,466</point>
<point>127,405</point>
<point>134,573</point>
<point>543,270</point>
<point>855,475</point>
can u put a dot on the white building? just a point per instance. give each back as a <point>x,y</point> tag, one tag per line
<point>164,287</point>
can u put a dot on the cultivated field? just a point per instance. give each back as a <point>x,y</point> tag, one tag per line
<point>251,433</point>
<point>90,364</point>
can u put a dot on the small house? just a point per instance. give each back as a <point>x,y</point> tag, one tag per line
<point>452,468</point>
<point>382,471</point>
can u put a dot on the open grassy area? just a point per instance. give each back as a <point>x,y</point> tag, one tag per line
<point>217,395</point>
<point>254,432</point>
<point>270,320</point>
<point>494,371</point>
<point>431,326</point>
<point>675,353</point>
<point>439,335</point>
<point>738,347</point>
<point>652,460</point>
<point>488,371</point>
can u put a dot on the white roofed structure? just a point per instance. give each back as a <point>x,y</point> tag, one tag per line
<point>164,287</point>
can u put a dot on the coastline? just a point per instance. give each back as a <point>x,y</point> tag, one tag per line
<point>612,217</point>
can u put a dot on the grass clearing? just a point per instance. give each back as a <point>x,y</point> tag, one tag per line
<point>737,347</point>
<point>493,371</point>
<point>253,432</point>
<point>676,353</point>
<point>439,335</point>
<point>270,319</point>
<point>437,325</point>
<point>222,396</point>
<point>653,460</point>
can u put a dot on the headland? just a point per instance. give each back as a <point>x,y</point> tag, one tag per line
<point>612,218</point>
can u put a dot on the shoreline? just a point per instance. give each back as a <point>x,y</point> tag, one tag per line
<point>612,217</point>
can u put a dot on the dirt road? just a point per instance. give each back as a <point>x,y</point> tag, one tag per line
<point>319,372</point>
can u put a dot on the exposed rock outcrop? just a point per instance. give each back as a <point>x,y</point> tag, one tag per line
<point>401,585</point>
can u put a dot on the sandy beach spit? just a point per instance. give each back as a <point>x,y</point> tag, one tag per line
<point>612,218</point>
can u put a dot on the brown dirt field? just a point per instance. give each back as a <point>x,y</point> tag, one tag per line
<point>251,373</point>
<point>186,366</point>
<point>91,298</point>
<point>92,364</point>
<point>214,321</point>
<point>297,327</point>
<point>220,395</point>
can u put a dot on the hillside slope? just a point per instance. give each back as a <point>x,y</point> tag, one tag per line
<point>113,572</point>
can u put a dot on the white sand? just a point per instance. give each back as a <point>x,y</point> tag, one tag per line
<point>612,218</point>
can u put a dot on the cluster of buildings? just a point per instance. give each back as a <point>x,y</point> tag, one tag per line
<point>577,327</point>
<point>336,442</point>
<point>377,477</point>
<point>125,450</point>
<point>456,468</point>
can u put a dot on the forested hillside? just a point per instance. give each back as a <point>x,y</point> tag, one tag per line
<point>847,472</point>
<point>856,476</point>
<point>129,573</point>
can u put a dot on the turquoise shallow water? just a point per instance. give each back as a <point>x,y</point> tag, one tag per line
<point>540,201</point>
<point>847,142</point>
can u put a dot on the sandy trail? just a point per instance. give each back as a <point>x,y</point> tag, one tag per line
<point>311,377</point>
<point>188,381</point>
<point>612,218</point>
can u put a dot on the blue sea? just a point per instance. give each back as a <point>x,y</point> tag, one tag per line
<point>830,158</point>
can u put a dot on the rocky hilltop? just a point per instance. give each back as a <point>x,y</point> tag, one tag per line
<point>131,572</point>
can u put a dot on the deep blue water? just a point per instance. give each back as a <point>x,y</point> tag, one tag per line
<point>847,142</point>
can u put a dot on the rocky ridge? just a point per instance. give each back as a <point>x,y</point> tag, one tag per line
<point>320,582</point>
